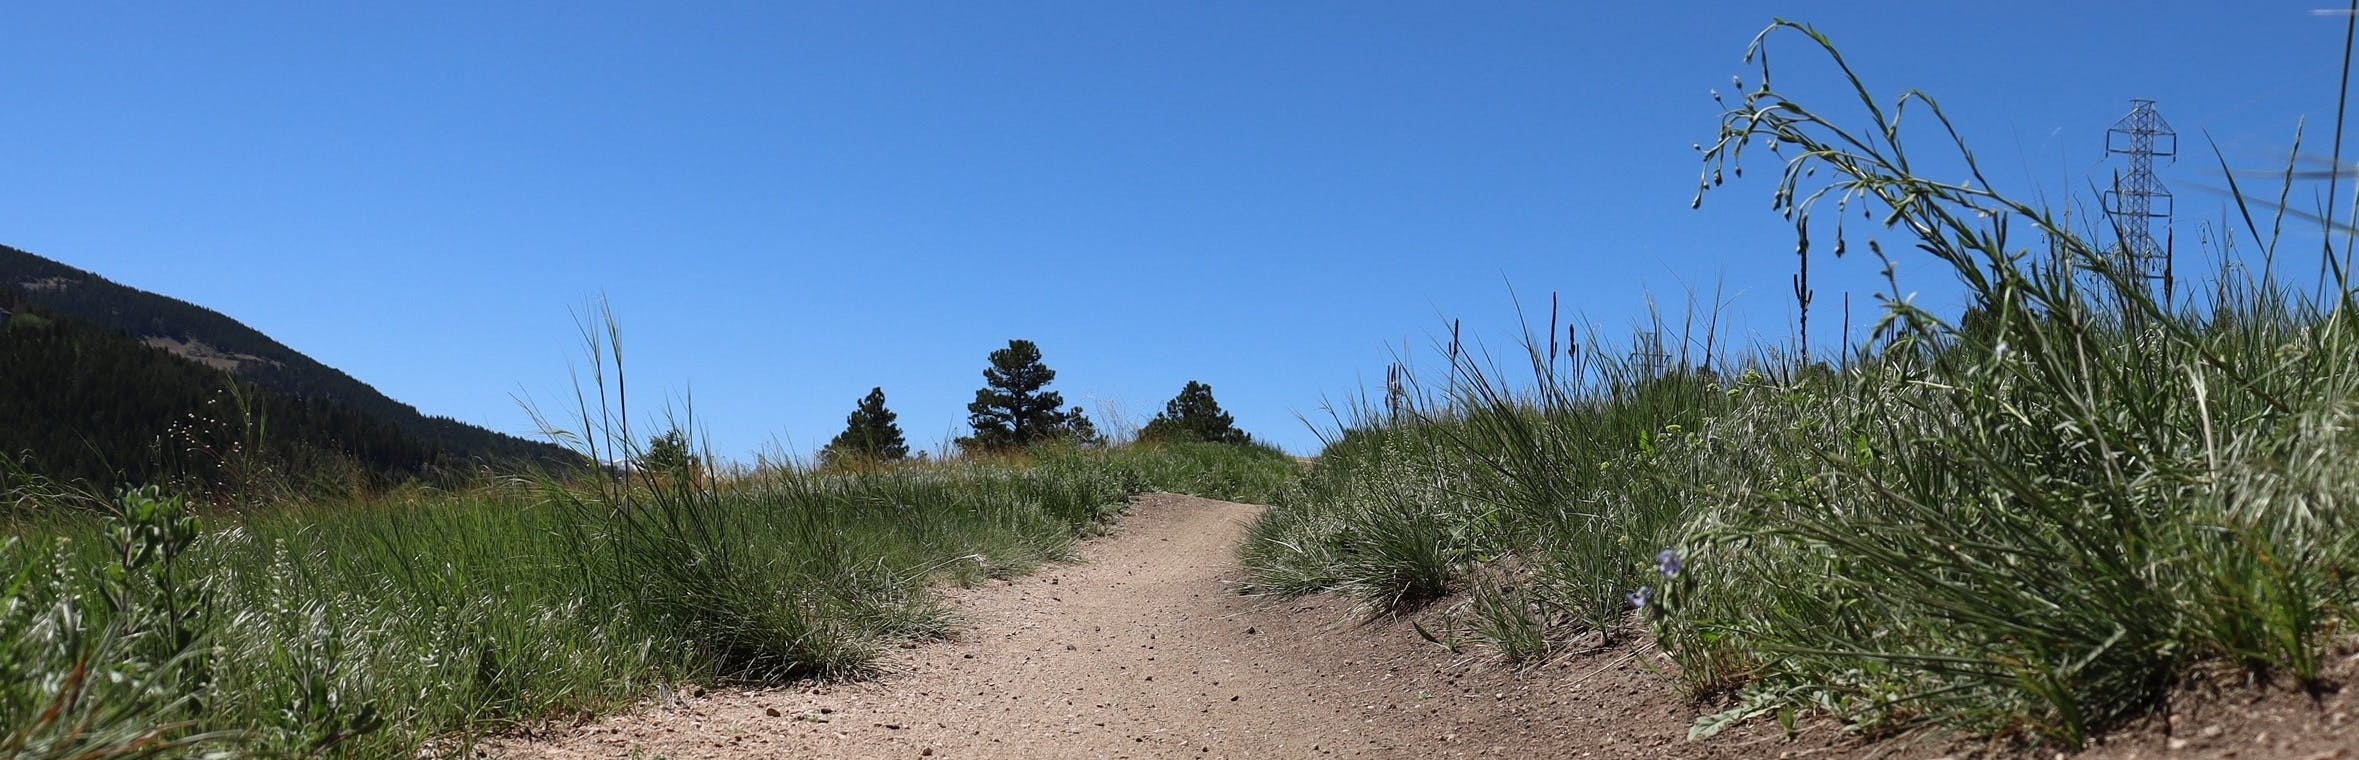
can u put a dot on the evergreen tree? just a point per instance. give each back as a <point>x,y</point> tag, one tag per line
<point>870,434</point>
<point>1076,426</point>
<point>1014,409</point>
<point>1194,416</point>
<point>668,454</point>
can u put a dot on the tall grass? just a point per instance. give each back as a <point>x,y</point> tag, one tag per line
<point>2035,520</point>
<point>422,617</point>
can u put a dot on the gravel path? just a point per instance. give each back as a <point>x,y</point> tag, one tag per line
<point>1144,650</point>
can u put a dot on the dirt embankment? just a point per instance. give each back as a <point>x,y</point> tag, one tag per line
<point>1144,650</point>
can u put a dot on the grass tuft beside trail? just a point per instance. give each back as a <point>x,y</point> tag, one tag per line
<point>2037,519</point>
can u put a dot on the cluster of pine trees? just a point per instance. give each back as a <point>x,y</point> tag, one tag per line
<point>87,404</point>
<point>84,400</point>
<point>1015,409</point>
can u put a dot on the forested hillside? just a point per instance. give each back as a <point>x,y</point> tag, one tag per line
<point>95,377</point>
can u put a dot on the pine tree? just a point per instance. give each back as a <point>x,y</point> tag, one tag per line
<point>870,434</point>
<point>1014,409</point>
<point>668,454</point>
<point>1194,416</point>
<point>1075,426</point>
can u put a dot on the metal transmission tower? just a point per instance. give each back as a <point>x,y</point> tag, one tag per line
<point>2137,197</point>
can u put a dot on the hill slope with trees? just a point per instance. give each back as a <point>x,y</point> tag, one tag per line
<point>132,356</point>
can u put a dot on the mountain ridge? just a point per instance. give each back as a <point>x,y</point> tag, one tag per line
<point>203,336</point>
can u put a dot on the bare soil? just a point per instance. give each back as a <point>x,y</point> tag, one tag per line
<point>1144,649</point>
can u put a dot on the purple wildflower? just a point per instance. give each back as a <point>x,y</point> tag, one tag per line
<point>1644,595</point>
<point>1670,563</point>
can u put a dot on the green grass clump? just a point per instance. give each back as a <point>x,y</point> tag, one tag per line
<point>2038,520</point>
<point>1556,497</point>
<point>1251,473</point>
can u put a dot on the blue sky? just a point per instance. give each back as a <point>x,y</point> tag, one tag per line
<point>789,203</point>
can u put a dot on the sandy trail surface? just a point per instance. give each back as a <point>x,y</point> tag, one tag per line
<point>1144,649</point>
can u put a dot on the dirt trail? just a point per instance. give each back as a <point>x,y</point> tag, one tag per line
<point>1144,650</point>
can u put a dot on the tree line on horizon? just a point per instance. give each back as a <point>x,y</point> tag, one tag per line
<point>1015,409</point>
<point>88,406</point>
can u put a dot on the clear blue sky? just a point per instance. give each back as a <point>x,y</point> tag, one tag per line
<point>789,203</point>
